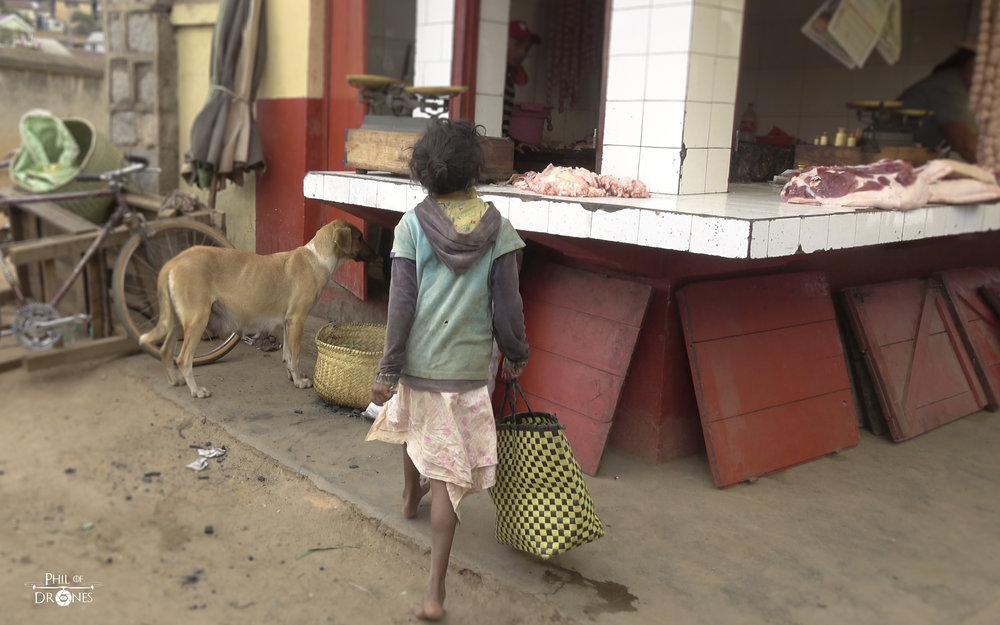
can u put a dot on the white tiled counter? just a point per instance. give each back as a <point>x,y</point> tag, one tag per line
<point>749,221</point>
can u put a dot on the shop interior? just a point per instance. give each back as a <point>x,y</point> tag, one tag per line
<point>794,93</point>
<point>558,105</point>
<point>797,91</point>
<point>556,112</point>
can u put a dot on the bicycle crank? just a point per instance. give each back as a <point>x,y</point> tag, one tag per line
<point>38,326</point>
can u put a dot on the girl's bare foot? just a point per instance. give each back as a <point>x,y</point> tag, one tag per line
<point>432,607</point>
<point>411,499</point>
<point>428,611</point>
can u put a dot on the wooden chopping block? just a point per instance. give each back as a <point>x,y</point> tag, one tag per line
<point>389,150</point>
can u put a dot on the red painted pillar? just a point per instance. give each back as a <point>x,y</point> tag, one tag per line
<point>302,133</point>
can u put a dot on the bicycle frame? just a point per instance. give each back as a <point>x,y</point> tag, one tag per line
<point>116,218</point>
<point>38,325</point>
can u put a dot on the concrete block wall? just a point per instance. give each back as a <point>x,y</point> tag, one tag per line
<point>66,86</point>
<point>141,63</point>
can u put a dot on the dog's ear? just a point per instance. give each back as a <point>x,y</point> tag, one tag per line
<point>343,239</point>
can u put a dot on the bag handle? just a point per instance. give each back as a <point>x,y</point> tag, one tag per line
<point>514,421</point>
<point>510,399</point>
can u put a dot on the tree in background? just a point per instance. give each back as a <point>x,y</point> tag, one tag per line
<point>82,24</point>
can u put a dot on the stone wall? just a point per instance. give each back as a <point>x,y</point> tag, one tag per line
<point>142,85</point>
<point>67,86</point>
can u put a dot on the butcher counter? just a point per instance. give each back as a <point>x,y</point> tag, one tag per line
<point>667,242</point>
<point>748,222</point>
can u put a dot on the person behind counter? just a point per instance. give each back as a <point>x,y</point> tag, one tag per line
<point>945,92</point>
<point>520,41</point>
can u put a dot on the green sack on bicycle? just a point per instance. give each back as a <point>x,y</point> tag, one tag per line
<point>49,155</point>
<point>54,151</point>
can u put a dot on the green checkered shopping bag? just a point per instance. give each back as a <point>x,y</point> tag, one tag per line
<point>543,505</point>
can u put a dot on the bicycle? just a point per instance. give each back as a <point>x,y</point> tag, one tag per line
<point>39,325</point>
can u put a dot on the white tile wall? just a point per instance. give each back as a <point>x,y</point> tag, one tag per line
<point>693,171</point>
<point>626,77</point>
<point>720,132</point>
<point>666,76</point>
<point>841,234</point>
<point>665,229</point>
<point>630,31</point>
<point>663,124</point>
<point>670,28</point>
<point>623,160</point>
<point>432,58</point>
<point>659,167</point>
<point>680,58</point>
<point>814,233</point>
<point>620,225</point>
<point>783,237</point>
<point>760,232</point>
<point>704,29</point>
<point>489,113</point>
<point>491,67</point>
<point>717,170</point>
<point>697,124</point>
<point>623,123</point>
<point>719,237</point>
<point>494,11</point>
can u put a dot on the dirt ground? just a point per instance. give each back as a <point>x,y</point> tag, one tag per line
<point>94,488</point>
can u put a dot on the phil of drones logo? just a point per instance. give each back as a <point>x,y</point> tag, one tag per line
<point>63,590</point>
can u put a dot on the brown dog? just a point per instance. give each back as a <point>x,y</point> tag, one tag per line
<point>246,292</point>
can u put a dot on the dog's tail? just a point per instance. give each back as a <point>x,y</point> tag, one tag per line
<point>168,316</point>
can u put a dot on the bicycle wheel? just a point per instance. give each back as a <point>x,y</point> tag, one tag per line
<point>133,281</point>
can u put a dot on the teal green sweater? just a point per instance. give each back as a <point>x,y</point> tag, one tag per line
<point>452,333</point>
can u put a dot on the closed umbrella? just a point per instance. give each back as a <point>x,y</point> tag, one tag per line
<point>225,143</point>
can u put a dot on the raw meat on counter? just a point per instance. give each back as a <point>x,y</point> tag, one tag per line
<point>963,183</point>
<point>579,182</point>
<point>892,184</point>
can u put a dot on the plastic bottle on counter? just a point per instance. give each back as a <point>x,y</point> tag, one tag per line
<point>840,139</point>
<point>748,124</point>
<point>825,139</point>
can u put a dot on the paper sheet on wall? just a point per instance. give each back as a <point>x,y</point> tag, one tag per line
<point>891,42</point>
<point>850,29</point>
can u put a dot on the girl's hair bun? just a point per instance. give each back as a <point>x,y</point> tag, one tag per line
<point>438,169</point>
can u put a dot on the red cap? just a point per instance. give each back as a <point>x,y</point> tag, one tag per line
<point>519,30</point>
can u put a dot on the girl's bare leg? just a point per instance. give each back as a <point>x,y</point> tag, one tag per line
<point>443,522</point>
<point>413,489</point>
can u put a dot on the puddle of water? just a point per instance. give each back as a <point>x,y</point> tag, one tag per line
<point>614,597</point>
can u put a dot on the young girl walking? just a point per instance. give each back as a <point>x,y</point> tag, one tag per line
<point>453,292</point>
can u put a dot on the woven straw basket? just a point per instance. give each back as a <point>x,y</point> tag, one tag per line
<point>346,362</point>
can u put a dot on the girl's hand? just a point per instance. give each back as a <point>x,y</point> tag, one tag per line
<point>381,393</point>
<point>511,371</point>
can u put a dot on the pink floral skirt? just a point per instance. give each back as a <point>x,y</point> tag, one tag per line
<point>450,437</point>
